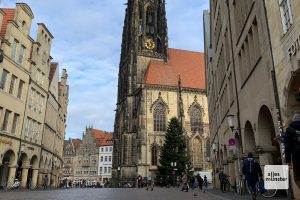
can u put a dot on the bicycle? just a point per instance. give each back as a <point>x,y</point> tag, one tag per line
<point>240,185</point>
<point>12,186</point>
<point>227,184</point>
<point>267,194</point>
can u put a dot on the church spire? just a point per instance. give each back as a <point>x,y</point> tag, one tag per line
<point>145,28</point>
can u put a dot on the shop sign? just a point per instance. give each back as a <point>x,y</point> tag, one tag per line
<point>295,47</point>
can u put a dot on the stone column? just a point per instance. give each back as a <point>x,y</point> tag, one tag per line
<point>40,179</point>
<point>49,180</point>
<point>231,170</point>
<point>24,177</point>
<point>34,178</point>
<point>12,174</point>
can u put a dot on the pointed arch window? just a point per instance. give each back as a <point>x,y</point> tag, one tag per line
<point>150,20</point>
<point>195,118</point>
<point>197,153</point>
<point>154,152</point>
<point>159,117</point>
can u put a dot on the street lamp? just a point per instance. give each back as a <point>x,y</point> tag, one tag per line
<point>173,165</point>
<point>119,175</point>
<point>230,121</point>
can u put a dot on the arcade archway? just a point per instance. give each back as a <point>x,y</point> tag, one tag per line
<point>266,138</point>
<point>7,160</point>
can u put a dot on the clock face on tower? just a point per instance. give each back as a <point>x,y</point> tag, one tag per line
<point>149,44</point>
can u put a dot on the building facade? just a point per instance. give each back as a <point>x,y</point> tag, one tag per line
<point>283,21</point>
<point>241,84</point>
<point>156,83</point>
<point>71,147</point>
<point>105,161</point>
<point>25,88</point>
<point>82,158</point>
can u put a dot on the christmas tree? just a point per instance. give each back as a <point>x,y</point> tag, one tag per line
<point>174,150</point>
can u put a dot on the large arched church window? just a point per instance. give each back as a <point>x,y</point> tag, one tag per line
<point>195,118</point>
<point>154,153</point>
<point>150,21</point>
<point>159,117</point>
<point>197,152</point>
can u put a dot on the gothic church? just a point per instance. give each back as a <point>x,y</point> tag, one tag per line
<point>155,84</point>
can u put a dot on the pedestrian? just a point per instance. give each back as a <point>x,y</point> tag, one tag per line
<point>205,183</point>
<point>222,179</point>
<point>140,181</point>
<point>184,182</point>
<point>200,181</point>
<point>149,183</point>
<point>45,182</point>
<point>292,147</point>
<point>252,172</point>
<point>168,181</point>
<point>194,185</point>
<point>161,181</point>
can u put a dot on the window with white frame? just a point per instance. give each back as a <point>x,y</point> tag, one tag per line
<point>286,14</point>
<point>12,84</point>
<point>21,54</point>
<point>3,79</point>
<point>6,120</point>
<point>14,49</point>
<point>15,123</point>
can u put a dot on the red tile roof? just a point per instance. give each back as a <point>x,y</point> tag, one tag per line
<point>9,15</point>
<point>103,138</point>
<point>76,143</point>
<point>188,64</point>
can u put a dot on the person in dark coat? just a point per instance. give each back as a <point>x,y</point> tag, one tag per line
<point>252,172</point>
<point>222,179</point>
<point>292,146</point>
<point>200,181</point>
<point>205,183</point>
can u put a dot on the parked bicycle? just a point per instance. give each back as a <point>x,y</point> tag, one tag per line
<point>267,194</point>
<point>12,186</point>
<point>240,185</point>
<point>227,183</point>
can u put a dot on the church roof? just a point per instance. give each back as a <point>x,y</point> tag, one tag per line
<point>188,64</point>
<point>102,138</point>
<point>9,15</point>
<point>76,143</point>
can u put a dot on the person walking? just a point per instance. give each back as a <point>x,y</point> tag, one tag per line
<point>200,181</point>
<point>222,179</point>
<point>292,147</point>
<point>205,183</point>
<point>194,185</point>
<point>149,183</point>
<point>45,182</point>
<point>252,172</point>
<point>168,181</point>
<point>139,181</point>
<point>184,182</point>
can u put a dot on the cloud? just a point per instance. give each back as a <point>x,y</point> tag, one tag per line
<point>87,41</point>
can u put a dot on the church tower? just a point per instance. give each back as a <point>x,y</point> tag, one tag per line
<point>144,39</point>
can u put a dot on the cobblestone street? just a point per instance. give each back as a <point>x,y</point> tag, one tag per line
<point>117,194</point>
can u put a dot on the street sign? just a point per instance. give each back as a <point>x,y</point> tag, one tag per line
<point>231,142</point>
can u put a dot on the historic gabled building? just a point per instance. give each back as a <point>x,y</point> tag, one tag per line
<point>155,84</point>
<point>71,148</point>
<point>84,161</point>
<point>33,103</point>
